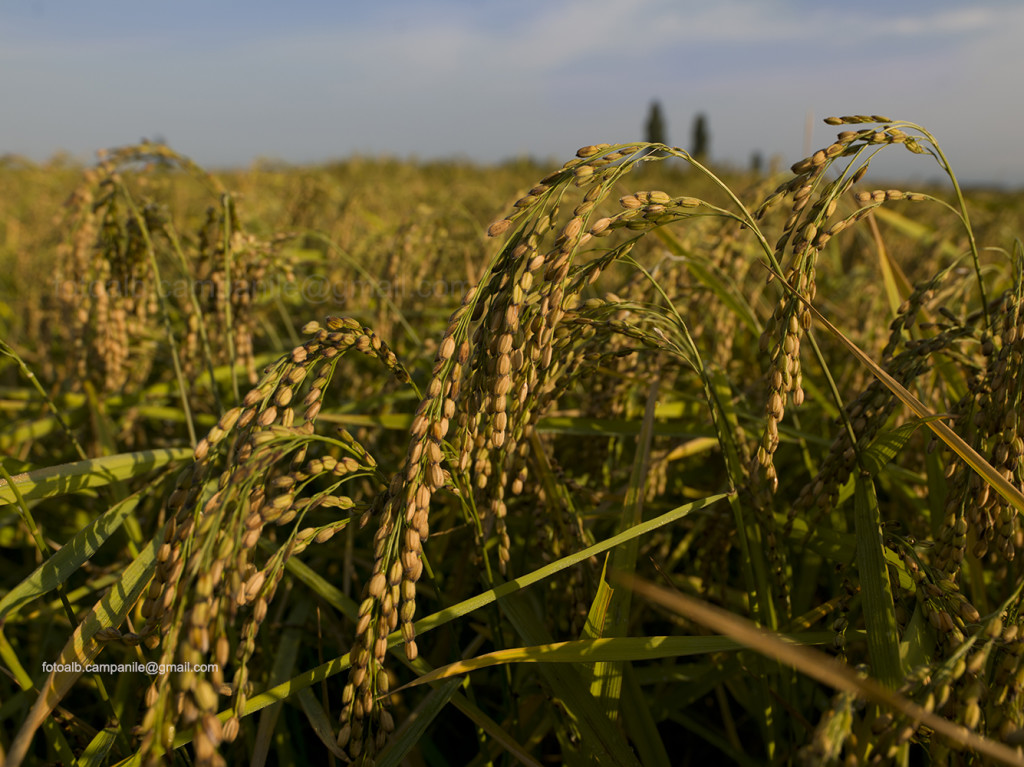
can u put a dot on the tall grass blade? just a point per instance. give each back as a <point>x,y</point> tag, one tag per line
<point>820,667</point>
<point>599,738</point>
<point>879,608</point>
<point>82,648</point>
<point>71,556</point>
<point>617,649</point>
<point>92,472</point>
<point>412,729</point>
<point>608,675</point>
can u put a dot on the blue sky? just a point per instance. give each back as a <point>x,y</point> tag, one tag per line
<point>226,82</point>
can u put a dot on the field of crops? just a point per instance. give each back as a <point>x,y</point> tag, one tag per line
<point>622,462</point>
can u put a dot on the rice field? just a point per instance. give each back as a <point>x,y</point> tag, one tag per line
<point>631,461</point>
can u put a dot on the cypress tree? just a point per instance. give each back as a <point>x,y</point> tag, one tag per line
<point>701,138</point>
<point>656,125</point>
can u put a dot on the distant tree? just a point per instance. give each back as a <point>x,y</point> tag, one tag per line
<point>756,163</point>
<point>701,138</point>
<point>656,125</point>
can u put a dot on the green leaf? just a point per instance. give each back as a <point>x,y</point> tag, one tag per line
<point>82,648</point>
<point>601,741</point>
<point>614,649</point>
<point>889,443</point>
<point>96,752</point>
<point>318,719</point>
<point>412,729</point>
<point>879,608</point>
<point>92,472</point>
<point>820,667</point>
<point>607,684</point>
<point>58,568</point>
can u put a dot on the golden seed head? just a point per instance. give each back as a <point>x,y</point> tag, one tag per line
<point>591,149</point>
<point>447,348</point>
<point>202,449</point>
<point>439,429</point>
<point>499,227</point>
<point>268,416</point>
<point>801,166</point>
<point>253,397</point>
<point>435,476</point>
<point>573,228</point>
<point>377,584</point>
<point>419,426</point>
<point>229,419</point>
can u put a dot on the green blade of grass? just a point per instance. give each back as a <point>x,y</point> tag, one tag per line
<point>638,719</point>
<point>917,645</point>
<point>820,667</point>
<point>608,674</point>
<point>82,648</point>
<point>412,729</point>
<point>879,608</point>
<point>924,235</point>
<point>598,613</point>
<point>897,286</point>
<point>888,444</point>
<point>601,741</point>
<point>58,568</point>
<point>319,721</point>
<point>93,472</point>
<point>597,616</point>
<point>26,432</point>
<point>611,649</point>
<point>448,614</point>
<point>95,754</point>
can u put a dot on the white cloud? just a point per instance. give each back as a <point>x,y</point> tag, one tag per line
<point>953,21</point>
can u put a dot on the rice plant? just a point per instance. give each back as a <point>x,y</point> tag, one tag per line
<point>667,465</point>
